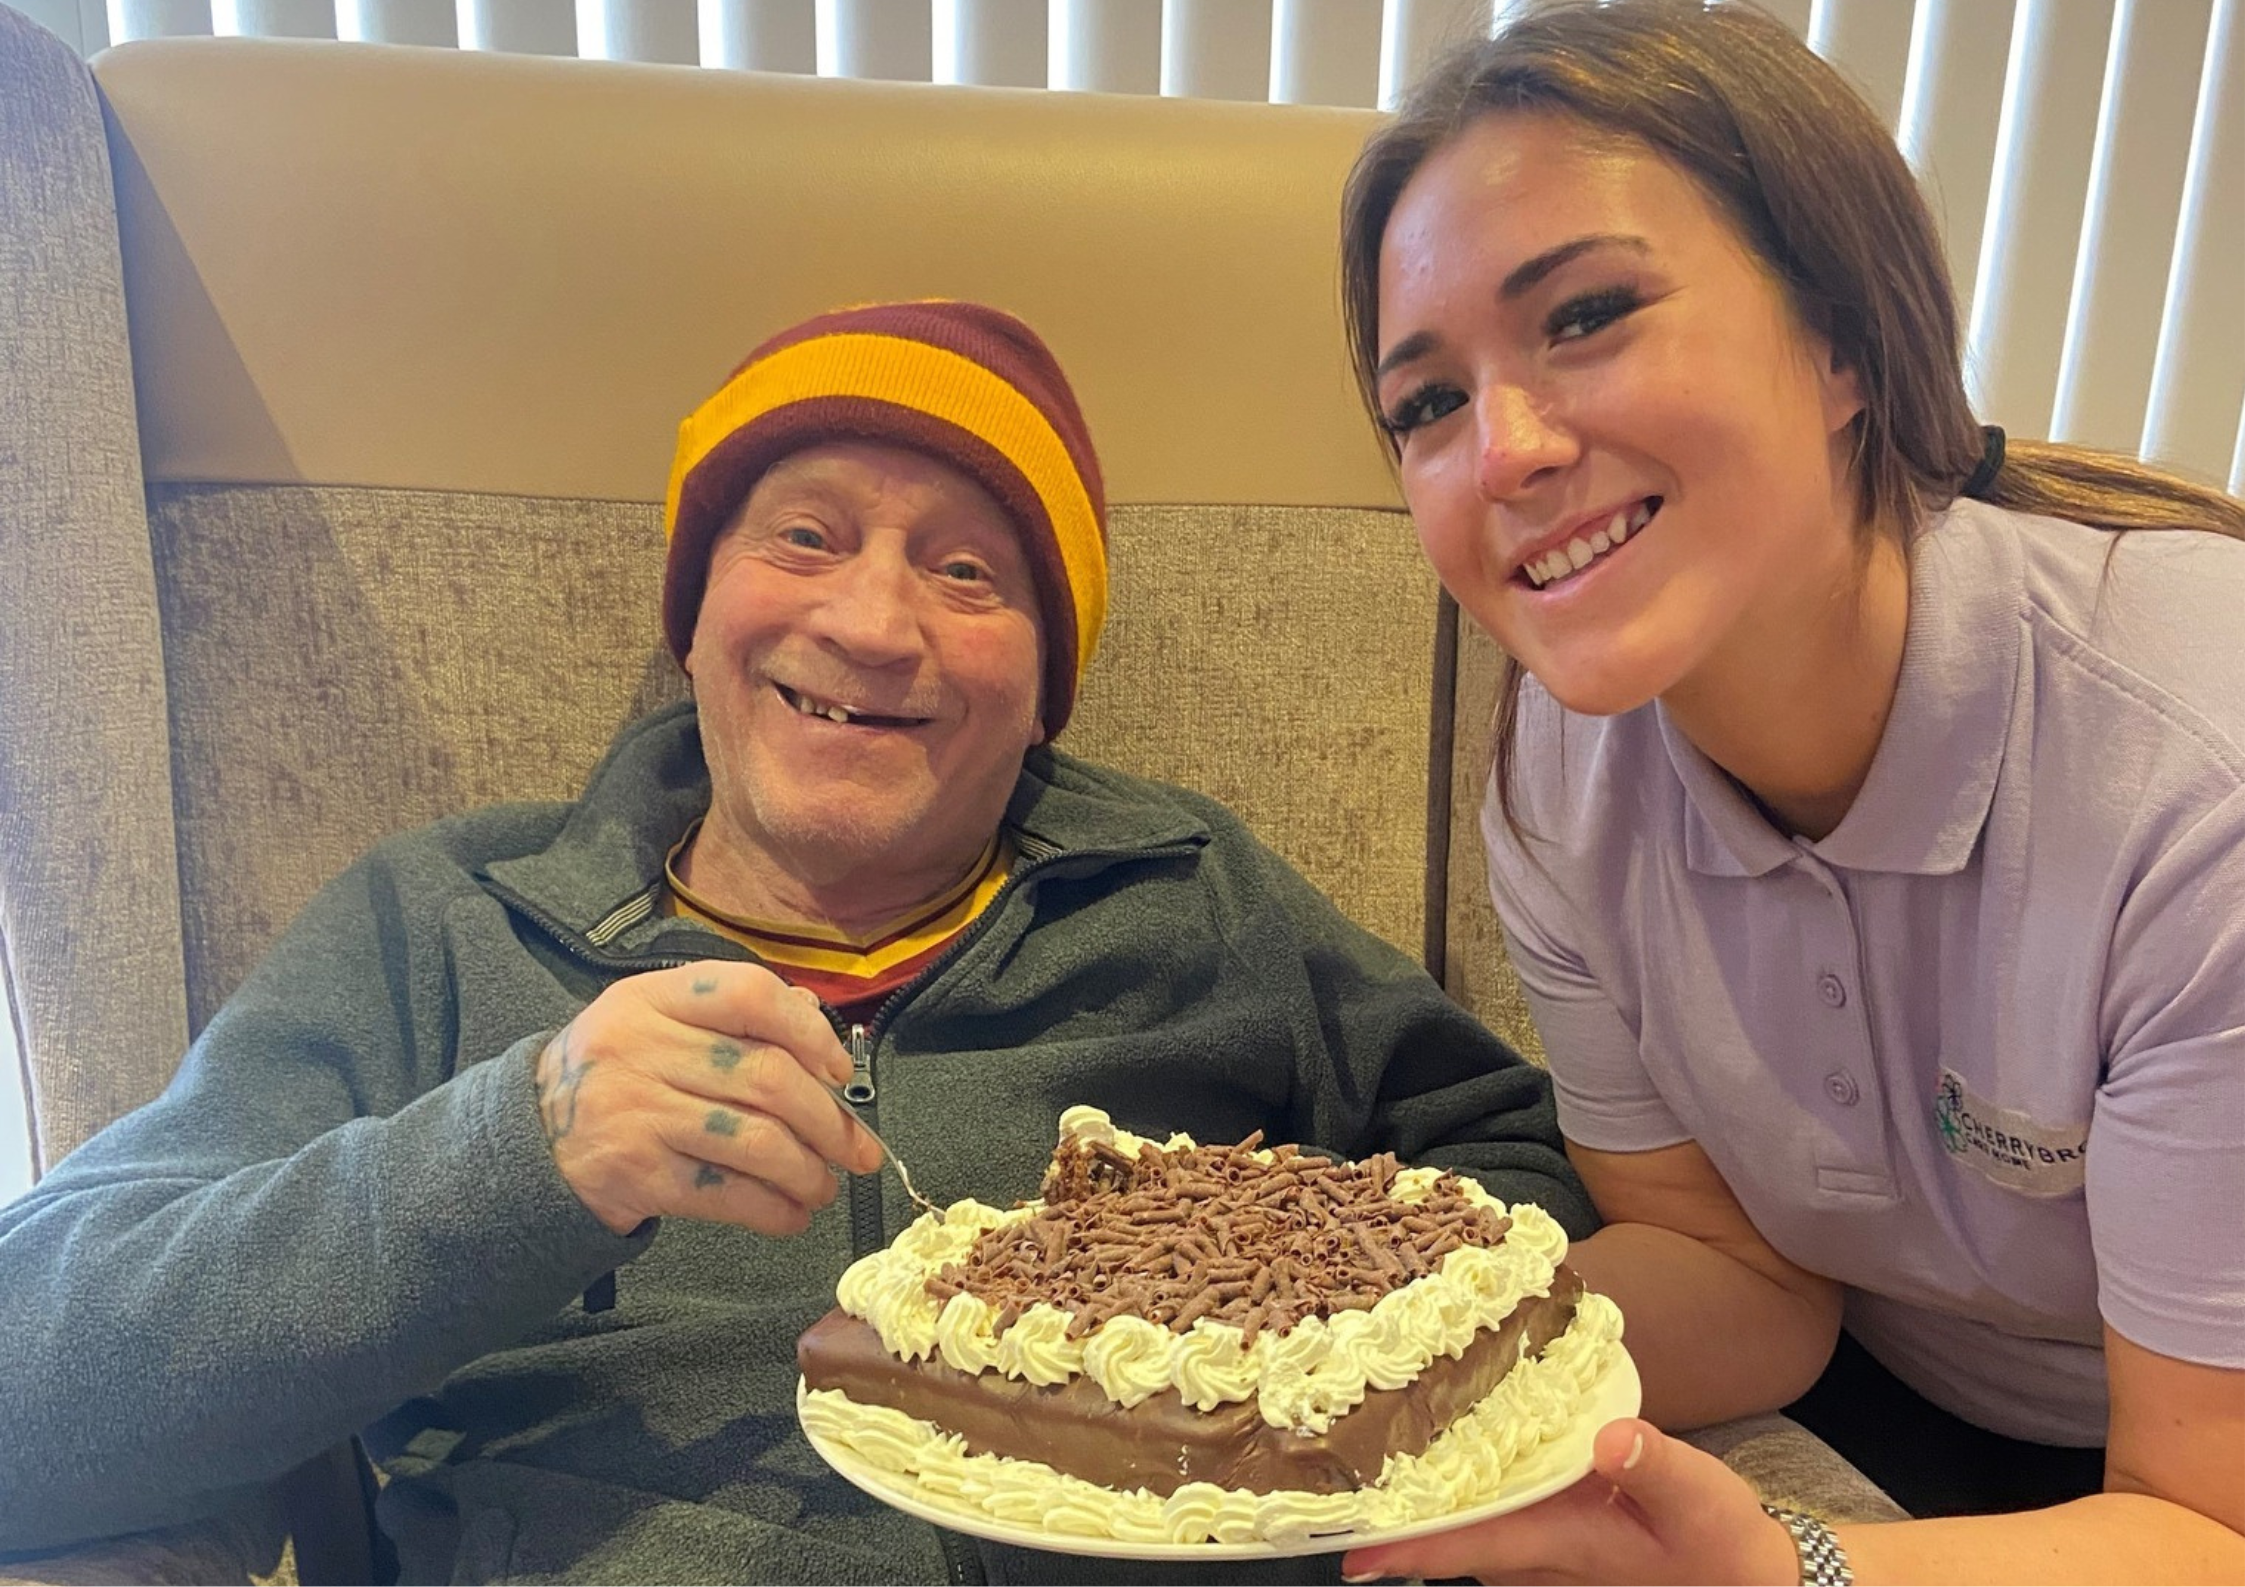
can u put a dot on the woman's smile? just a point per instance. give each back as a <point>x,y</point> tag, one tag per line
<point>1559,564</point>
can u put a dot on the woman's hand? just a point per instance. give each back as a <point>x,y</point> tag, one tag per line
<point>1653,1509</point>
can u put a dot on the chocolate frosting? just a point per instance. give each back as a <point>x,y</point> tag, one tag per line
<point>1162,1443</point>
<point>1215,1232</point>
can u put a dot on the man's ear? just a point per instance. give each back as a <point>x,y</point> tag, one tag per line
<point>693,644</point>
<point>1037,735</point>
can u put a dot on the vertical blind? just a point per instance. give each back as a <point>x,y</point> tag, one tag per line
<point>2085,158</point>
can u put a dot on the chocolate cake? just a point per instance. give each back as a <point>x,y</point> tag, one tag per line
<point>1178,1343</point>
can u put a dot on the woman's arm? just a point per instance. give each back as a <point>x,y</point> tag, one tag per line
<point>1718,1323</point>
<point>2173,1509</point>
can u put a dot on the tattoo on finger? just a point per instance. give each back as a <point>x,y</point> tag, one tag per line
<point>722,1121</point>
<point>708,1178</point>
<point>704,985</point>
<point>725,1054</point>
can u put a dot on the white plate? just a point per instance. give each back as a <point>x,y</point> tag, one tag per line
<point>1556,1465</point>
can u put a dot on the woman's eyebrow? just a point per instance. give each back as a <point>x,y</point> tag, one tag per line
<point>1524,277</point>
<point>1416,345</point>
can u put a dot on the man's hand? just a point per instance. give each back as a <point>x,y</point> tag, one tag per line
<point>694,1093</point>
<point>1653,1509</point>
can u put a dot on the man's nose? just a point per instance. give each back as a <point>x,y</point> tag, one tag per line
<point>872,613</point>
<point>1521,444</point>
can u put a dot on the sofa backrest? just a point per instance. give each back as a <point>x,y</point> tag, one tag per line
<point>412,332</point>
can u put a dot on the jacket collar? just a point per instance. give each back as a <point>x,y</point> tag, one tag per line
<point>599,878</point>
<point>1070,806</point>
<point>1933,777</point>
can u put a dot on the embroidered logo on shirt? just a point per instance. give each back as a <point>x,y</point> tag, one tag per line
<point>2005,1145</point>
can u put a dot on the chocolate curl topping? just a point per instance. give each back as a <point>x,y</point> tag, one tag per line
<point>1177,1236</point>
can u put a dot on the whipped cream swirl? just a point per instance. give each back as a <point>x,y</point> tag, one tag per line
<point>1303,1378</point>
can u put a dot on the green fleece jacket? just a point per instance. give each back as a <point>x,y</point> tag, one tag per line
<point>343,1215</point>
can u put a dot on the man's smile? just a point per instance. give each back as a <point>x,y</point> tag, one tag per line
<point>834,711</point>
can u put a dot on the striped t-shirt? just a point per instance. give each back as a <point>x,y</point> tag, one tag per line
<point>850,974</point>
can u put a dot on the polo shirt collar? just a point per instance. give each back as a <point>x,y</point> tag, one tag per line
<point>1724,835</point>
<point>1933,779</point>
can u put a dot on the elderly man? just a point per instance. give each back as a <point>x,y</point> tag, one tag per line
<point>519,1155</point>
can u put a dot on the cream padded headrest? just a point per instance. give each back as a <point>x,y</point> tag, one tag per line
<point>352,264</point>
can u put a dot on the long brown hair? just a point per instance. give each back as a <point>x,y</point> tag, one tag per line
<point>1801,166</point>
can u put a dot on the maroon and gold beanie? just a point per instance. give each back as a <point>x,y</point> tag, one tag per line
<point>967,385</point>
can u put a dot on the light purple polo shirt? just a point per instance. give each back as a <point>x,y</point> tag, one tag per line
<point>1980,1053</point>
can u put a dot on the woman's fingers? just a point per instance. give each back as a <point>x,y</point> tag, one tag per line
<point>1653,1509</point>
<point>1703,1519</point>
<point>1548,1540</point>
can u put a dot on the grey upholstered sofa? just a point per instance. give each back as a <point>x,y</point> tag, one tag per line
<point>337,389</point>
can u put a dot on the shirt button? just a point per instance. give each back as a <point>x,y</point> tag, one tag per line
<point>1840,1086</point>
<point>1832,989</point>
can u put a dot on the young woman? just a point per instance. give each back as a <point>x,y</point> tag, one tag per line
<point>1867,822</point>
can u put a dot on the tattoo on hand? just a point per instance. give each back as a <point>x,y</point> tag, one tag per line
<point>722,1121</point>
<point>557,1096</point>
<point>704,985</point>
<point>708,1178</point>
<point>724,1054</point>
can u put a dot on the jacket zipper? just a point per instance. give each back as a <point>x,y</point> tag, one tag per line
<point>868,1229</point>
<point>866,1223</point>
<point>860,1089</point>
<point>962,1562</point>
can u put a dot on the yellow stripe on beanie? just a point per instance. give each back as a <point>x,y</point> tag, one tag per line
<point>944,385</point>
